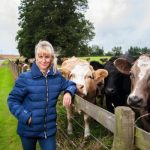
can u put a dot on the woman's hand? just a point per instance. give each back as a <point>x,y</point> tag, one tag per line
<point>67,100</point>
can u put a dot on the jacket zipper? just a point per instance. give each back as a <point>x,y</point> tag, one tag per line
<point>46,107</point>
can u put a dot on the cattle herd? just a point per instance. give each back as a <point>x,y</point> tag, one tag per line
<point>121,81</point>
<point>24,65</point>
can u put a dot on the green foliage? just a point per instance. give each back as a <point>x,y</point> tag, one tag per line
<point>96,50</point>
<point>109,53</point>
<point>117,51</point>
<point>61,22</point>
<point>137,51</point>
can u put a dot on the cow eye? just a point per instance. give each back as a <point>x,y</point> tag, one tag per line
<point>131,75</point>
<point>71,76</point>
<point>90,77</point>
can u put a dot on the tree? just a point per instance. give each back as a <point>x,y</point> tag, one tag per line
<point>96,50</point>
<point>145,50</point>
<point>134,51</point>
<point>137,51</point>
<point>117,51</point>
<point>109,53</point>
<point>61,22</point>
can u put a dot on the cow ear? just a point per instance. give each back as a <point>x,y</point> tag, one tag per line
<point>123,65</point>
<point>65,72</point>
<point>100,73</point>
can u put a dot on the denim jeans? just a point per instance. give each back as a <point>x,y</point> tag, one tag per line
<point>45,144</point>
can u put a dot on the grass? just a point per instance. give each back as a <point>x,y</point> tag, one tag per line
<point>8,138</point>
<point>95,58</point>
<point>77,141</point>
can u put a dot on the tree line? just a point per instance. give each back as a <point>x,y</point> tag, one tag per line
<point>117,51</point>
<point>63,24</point>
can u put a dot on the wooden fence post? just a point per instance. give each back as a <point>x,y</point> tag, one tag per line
<point>124,129</point>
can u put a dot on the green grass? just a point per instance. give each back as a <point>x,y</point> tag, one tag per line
<point>97,130</point>
<point>96,58</point>
<point>9,140</point>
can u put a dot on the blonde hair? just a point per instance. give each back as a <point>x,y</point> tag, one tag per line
<point>46,46</point>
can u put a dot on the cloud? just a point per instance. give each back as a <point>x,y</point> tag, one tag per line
<point>8,26</point>
<point>120,23</point>
<point>117,23</point>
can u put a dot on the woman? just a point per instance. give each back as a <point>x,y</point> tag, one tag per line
<point>34,96</point>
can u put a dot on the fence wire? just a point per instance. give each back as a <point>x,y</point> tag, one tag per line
<point>99,141</point>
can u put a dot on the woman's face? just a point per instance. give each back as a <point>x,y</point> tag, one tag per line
<point>43,60</point>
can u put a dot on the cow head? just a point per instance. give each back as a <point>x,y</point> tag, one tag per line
<point>84,76</point>
<point>140,80</point>
<point>114,81</point>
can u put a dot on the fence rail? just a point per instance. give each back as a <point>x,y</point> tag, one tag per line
<point>122,123</point>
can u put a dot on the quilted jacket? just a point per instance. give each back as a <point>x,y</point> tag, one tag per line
<point>35,96</point>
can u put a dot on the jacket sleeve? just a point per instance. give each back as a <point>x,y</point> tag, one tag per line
<point>16,99</point>
<point>68,86</point>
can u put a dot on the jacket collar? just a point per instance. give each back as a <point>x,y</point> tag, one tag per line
<point>37,73</point>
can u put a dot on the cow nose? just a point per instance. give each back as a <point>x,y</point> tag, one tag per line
<point>135,101</point>
<point>110,91</point>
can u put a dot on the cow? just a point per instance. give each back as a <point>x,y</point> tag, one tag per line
<point>100,87</point>
<point>139,97</point>
<point>117,84</point>
<point>86,80</point>
<point>96,65</point>
<point>25,65</point>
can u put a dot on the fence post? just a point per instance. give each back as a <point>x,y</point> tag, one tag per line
<point>124,129</point>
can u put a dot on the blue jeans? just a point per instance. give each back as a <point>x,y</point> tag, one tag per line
<point>45,144</point>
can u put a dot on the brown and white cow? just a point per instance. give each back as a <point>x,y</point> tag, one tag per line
<point>86,80</point>
<point>139,97</point>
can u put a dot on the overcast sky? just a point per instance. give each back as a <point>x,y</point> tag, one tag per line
<point>117,23</point>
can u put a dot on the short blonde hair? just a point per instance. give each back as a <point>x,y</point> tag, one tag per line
<point>46,46</point>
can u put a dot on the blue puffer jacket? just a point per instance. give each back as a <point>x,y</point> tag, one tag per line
<point>35,96</point>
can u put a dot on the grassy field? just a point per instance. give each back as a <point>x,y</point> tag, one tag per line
<point>8,137</point>
<point>9,140</point>
<point>96,58</point>
<point>100,139</point>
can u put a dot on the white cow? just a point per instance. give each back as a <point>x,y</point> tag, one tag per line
<point>87,81</point>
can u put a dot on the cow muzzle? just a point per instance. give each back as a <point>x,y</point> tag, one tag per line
<point>135,101</point>
<point>81,90</point>
<point>110,91</point>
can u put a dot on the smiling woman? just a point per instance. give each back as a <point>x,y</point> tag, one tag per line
<point>34,97</point>
<point>45,57</point>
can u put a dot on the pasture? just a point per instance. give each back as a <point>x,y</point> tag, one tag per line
<point>10,140</point>
<point>101,138</point>
<point>95,58</point>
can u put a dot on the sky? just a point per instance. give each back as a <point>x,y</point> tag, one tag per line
<point>122,23</point>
